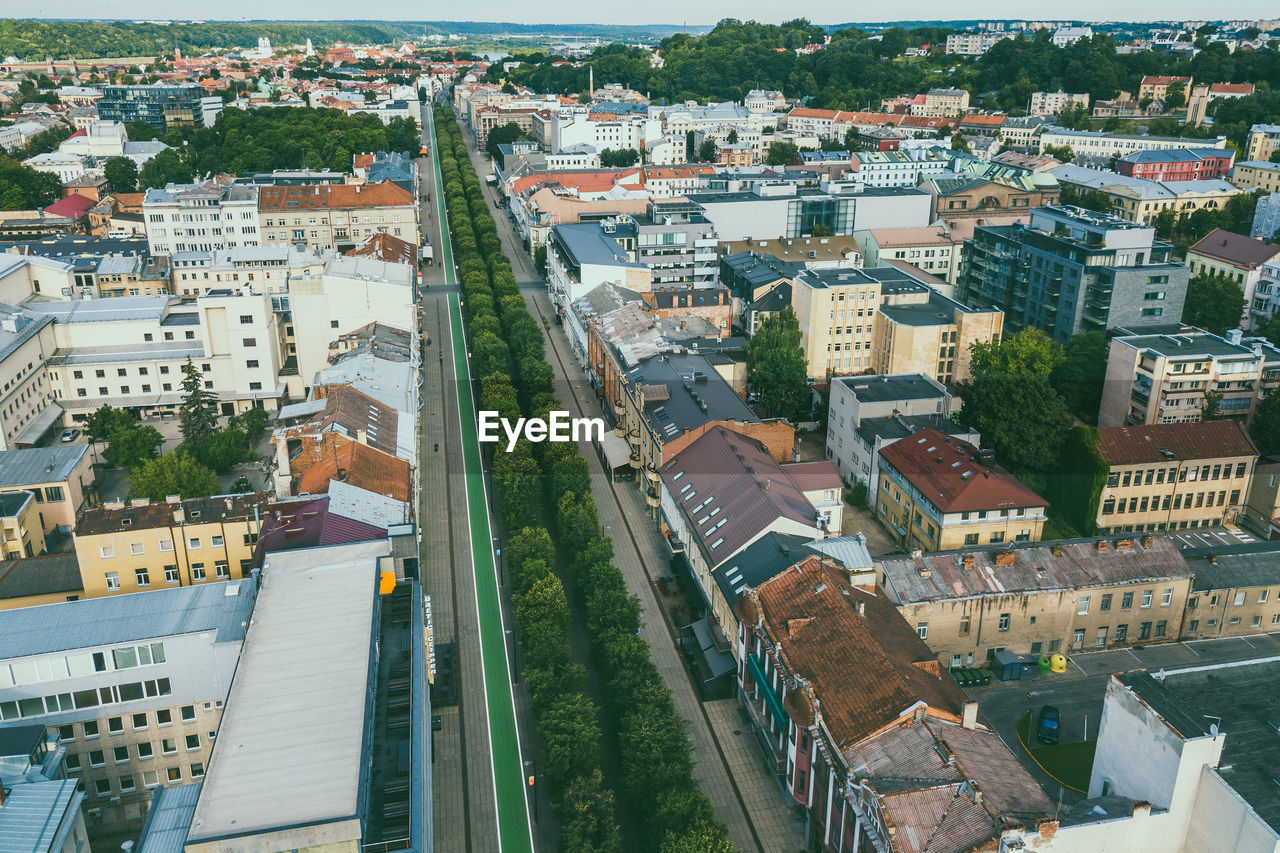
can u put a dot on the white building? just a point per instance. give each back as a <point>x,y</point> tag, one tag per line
<point>1052,103</point>
<point>1064,36</point>
<point>771,211</point>
<point>66,167</point>
<point>761,101</point>
<point>577,128</point>
<point>900,168</point>
<point>1097,143</point>
<point>263,269</point>
<point>201,217</point>
<point>974,44</point>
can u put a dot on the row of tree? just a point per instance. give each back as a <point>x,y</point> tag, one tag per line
<point>508,356</point>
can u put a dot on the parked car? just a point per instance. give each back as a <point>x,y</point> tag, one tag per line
<point>1047,725</point>
<point>70,435</point>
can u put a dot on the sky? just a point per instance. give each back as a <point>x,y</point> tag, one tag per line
<point>651,12</point>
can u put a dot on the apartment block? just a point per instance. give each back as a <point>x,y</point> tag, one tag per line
<point>1163,378</point>
<point>1156,87</point>
<point>974,44</point>
<point>931,249</point>
<point>148,546</point>
<point>1264,140</point>
<point>926,332</point>
<point>1070,271</point>
<point>1242,259</point>
<point>935,493</point>
<point>60,479</point>
<point>1177,164</point>
<point>1139,200</point>
<point>1262,506</point>
<point>1052,103</point>
<point>216,214</point>
<point>163,105</point>
<point>21,531</point>
<point>1097,143</point>
<point>337,217</point>
<point>263,269</point>
<point>26,401</point>
<point>1235,593</point>
<point>133,687</point>
<point>1257,175</point>
<point>1174,476</point>
<point>43,579</point>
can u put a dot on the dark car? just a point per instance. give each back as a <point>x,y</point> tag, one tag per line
<point>1047,725</point>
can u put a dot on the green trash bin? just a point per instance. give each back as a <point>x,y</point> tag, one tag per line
<point>1044,664</point>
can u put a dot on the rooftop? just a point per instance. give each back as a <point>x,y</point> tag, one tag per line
<point>1030,567</point>
<point>299,700</point>
<point>1190,345</point>
<point>946,473</point>
<point>1237,249</point>
<point>1156,443</point>
<point>219,607</point>
<point>587,243</point>
<point>896,426</point>
<point>33,817</point>
<point>1250,564</point>
<point>938,310</point>
<point>39,464</point>
<point>47,574</point>
<point>151,514</point>
<point>169,818</point>
<point>898,386</point>
<point>695,394</point>
<point>328,196</point>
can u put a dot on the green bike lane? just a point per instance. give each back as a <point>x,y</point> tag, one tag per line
<point>515,832</point>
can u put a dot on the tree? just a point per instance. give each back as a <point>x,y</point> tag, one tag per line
<point>1029,352</point>
<point>619,158</point>
<point>699,838</point>
<point>959,143</point>
<point>1215,303</point>
<point>570,739</point>
<point>1265,427</point>
<point>1088,199</point>
<point>163,169</point>
<point>1271,329</point>
<point>782,154</point>
<point>586,817</point>
<point>776,367</point>
<point>121,174</point>
<point>707,150</point>
<point>732,139</point>
<point>130,446</point>
<point>105,420</point>
<point>1060,152</point>
<point>1275,156</point>
<point>252,421</point>
<point>1080,374</point>
<point>504,135</point>
<point>1175,96</point>
<point>543,615</point>
<point>222,449</point>
<point>176,473</point>
<point>198,411</point>
<point>23,188</point>
<point>139,131</point>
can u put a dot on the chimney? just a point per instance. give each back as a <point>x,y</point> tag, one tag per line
<point>1141,808</point>
<point>1048,828</point>
<point>362,436</point>
<point>179,515</point>
<point>969,718</point>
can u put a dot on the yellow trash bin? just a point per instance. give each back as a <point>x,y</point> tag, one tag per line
<point>1057,663</point>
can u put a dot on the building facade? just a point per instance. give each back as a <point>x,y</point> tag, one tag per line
<point>163,106</point>
<point>337,217</point>
<point>201,217</point>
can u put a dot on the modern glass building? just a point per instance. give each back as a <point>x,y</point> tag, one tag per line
<point>163,106</point>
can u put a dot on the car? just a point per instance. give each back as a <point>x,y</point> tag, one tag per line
<point>1047,724</point>
<point>69,435</point>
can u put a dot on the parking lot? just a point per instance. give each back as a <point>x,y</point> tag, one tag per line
<point>1078,693</point>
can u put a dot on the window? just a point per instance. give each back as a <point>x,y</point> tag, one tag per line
<point>150,779</point>
<point>139,722</point>
<point>1100,641</point>
<point>193,543</point>
<point>120,754</point>
<point>106,552</point>
<point>137,548</point>
<point>215,542</point>
<point>246,319</point>
<point>197,572</point>
<point>188,713</point>
<point>166,545</point>
<point>1257,620</point>
<point>102,787</point>
<point>170,574</point>
<point>1160,628</point>
<point>169,746</point>
<point>142,577</point>
<point>220,570</point>
<point>73,762</point>
<point>333,324</point>
<point>197,770</point>
<point>145,750</point>
<point>90,729</point>
<point>113,581</point>
<point>193,741</point>
<point>1104,604</point>
<point>1166,598</point>
<point>922,630</point>
<point>1193,626</point>
<point>97,758</point>
<point>251,363</point>
<point>1239,599</point>
<point>115,725</point>
<point>174,774</point>
<point>164,717</point>
<point>1004,621</point>
<point>66,733</point>
<point>1122,631</point>
<point>971,539</point>
<point>126,784</point>
<point>1144,631</point>
<point>1146,597</point>
<point>1083,606</point>
<point>1262,596</point>
<point>964,626</point>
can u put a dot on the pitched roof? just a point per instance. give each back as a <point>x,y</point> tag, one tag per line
<point>328,196</point>
<point>1135,445</point>
<point>730,488</point>
<point>44,575</point>
<point>337,457</point>
<point>811,476</point>
<point>152,514</point>
<point>71,207</point>
<point>385,247</point>
<point>308,522</point>
<point>865,668</point>
<point>1231,89</point>
<point>945,471</point>
<point>1236,249</point>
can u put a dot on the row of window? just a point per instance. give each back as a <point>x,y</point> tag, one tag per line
<point>1148,476</point>
<point>1170,502</point>
<point>55,667</point>
<point>80,699</point>
<point>90,729</point>
<point>150,779</point>
<point>142,577</point>
<point>194,543</point>
<point>1193,627</point>
<point>120,754</point>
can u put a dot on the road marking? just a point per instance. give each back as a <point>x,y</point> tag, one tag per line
<point>1247,643</point>
<point>1193,651</point>
<point>1133,654</point>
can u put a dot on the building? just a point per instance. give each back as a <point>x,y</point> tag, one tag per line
<point>40,810</point>
<point>337,216</point>
<point>1156,86</point>
<point>1177,164</point>
<point>1264,140</point>
<point>1262,507</point>
<point>583,256</point>
<point>935,493</point>
<point>1142,201</point>
<point>1257,175</point>
<point>974,44</point>
<point>1202,96</point>
<point>931,249</point>
<point>1071,270</point>
<point>972,187</point>
<point>1064,36</point>
<point>162,105</point>
<point>896,168</point>
<point>60,479</point>
<point>1052,103</point>
<point>941,103</point>
<point>1100,144</point>
<point>871,412</point>
<point>145,545</point>
<point>771,211</point>
<point>27,408</point>
<point>1040,599</point>
<point>263,269</point>
<point>201,217</point>
<point>673,239</point>
<point>1241,259</point>
<point>866,734</point>
<point>21,532</point>
<point>1163,378</point>
<point>1235,592</point>
<point>132,685</point>
<point>1174,476</point>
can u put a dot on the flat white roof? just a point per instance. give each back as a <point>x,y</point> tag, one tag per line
<point>291,743</point>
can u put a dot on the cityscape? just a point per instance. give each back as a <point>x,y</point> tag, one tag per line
<point>640,437</point>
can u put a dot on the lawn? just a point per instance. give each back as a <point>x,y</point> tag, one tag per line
<point>1068,763</point>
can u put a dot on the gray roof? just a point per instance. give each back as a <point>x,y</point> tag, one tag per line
<point>28,325</point>
<point>1192,345</point>
<point>39,464</point>
<point>681,411</point>
<point>103,310</point>
<point>47,574</point>
<point>362,505</point>
<point>896,386</point>
<point>894,427</point>
<point>33,817</point>
<point>307,658</point>
<point>1235,566</point>
<point>158,351</point>
<point>937,311</point>
<point>169,819</point>
<point>587,243</point>
<point>90,622</point>
<point>767,557</point>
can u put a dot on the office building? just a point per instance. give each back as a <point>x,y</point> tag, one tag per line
<point>1139,200</point>
<point>774,210</point>
<point>216,214</point>
<point>163,105</point>
<point>1264,140</point>
<point>1071,270</point>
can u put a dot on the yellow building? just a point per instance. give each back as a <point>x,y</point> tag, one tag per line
<point>1264,140</point>
<point>21,534</point>
<point>836,310</point>
<point>935,492</point>
<point>44,579</point>
<point>60,478</point>
<point>1140,200</point>
<point>1234,594</point>
<point>1257,175</point>
<point>1262,506</point>
<point>144,545</point>
<point>1174,476</point>
<point>1040,599</point>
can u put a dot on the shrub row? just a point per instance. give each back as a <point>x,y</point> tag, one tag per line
<point>657,763</point>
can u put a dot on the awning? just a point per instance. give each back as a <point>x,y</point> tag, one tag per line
<point>766,687</point>
<point>40,424</point>
<point>718,661</point>
<point>617,452</point>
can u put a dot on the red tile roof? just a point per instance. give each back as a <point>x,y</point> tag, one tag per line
<point>811,476</point>
<point>337,457</point>
<point>1163,80</point>
<point>385,247</point>
<point>866,669</point>
<point>1231,89</point>
<point>328,196</point>
<point>945,471</point>
<point>983,119</point>
<point>1137,445</point>
<point>1236,249</point>
<point>72,207</point>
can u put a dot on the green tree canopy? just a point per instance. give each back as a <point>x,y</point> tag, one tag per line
<point>121,174</point>
<point>105,420</point>
<point>782,154</point>
<point>1265,427</point>
<point>1215,303</point>
<point>23,188</point>
<point>1080,374</point>
<point>176,473</point>
<point>776,367</point>
<point>130,446</point>
<point>504,135</point>
<point>199,412</point>
<point>163,169</point>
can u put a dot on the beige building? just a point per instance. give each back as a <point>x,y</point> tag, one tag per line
<point>1163,379</point>
<point>1052,103</point>
<point>1234,594</point>
<point>1156,87</point>
<point>26,342</point>
<point>1264,140</point>
<point>1174,476</point>
<point>336,216</point>
<point>1042,598</point>
<point>1141,200</point>
<point>1256,175</point>
<point>941,103</point>
<point>935,492</point>
<point>930,249</point>
<point>146,545</point>
<point>1262,507</point>
<point>21,533</point>
<point>44,579</point>
<point>60,479</point>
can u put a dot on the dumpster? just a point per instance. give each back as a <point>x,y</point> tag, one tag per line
<point>1007,666</point>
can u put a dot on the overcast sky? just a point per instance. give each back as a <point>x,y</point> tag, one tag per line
<point>652,12</point>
